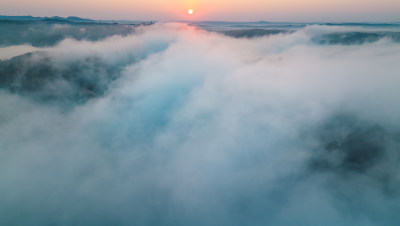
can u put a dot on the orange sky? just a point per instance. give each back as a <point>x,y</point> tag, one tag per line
<point>227,10</point>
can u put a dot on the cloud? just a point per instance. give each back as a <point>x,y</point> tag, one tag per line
<point>12,51</point>
<point>51,32</point>
<point>196,128</point>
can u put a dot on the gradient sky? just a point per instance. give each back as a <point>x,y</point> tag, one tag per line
<point>225,10</point>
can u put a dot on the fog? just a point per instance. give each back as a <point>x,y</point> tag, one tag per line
<point>9,52</point>
<point>176,125</point>
<point>48,32</point>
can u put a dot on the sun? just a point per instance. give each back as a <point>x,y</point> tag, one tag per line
<point>190,11</point>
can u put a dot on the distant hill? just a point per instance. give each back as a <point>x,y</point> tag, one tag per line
<point>74,18</point>
<point>70,18</point>
<point>20,18</point>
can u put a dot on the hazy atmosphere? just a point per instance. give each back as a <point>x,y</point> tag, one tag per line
<point>110,122</point>
<point>225,10</point>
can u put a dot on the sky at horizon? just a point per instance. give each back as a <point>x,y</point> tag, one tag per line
<point>223,10</point>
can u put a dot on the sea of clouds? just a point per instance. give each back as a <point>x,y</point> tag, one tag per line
<point>175,125</point>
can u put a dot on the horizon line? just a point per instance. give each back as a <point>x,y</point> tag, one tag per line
<point>215,21</point>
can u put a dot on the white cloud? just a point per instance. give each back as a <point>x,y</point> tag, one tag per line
<point>206,129</point>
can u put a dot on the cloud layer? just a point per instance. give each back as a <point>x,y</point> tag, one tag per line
<point>174,125</point>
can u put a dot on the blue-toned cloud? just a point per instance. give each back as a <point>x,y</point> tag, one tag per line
<point>189,127</point>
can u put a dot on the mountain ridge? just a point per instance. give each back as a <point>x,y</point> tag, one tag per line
<point>30,18</point>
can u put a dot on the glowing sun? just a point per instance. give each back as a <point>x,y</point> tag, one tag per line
<point>190,11</point>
